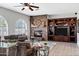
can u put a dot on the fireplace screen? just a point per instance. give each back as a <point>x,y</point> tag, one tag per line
<point>38,33</point>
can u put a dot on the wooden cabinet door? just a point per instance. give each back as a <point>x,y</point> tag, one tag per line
<point>61,38</point>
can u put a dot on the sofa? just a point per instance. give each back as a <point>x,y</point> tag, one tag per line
<point>16,37</point>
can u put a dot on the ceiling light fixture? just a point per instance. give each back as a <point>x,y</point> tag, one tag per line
<point>29,5</point>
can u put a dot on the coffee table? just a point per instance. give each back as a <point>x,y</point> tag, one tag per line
<point>41,49</point>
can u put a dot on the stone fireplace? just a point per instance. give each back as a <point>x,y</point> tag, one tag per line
<point>39,26</point>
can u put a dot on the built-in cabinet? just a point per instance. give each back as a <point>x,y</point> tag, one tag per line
<point>62,29</point>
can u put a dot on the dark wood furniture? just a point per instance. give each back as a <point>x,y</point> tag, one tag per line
<point>24,49</point>
<point>8,48</point>
<point>62,29</point>
<point>11,51</point>
<point>21,48</point>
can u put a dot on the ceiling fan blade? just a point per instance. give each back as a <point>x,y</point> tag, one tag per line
<point>34,6</point>
<point>30,8</point>
<point>26,4</point>
<point>22,8</point>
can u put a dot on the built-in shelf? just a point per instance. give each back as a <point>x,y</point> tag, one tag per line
<point>63,29</point>
<point>50,35</point>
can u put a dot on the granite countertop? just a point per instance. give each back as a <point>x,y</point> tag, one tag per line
<point>7,45</point>
<point>10,43</point>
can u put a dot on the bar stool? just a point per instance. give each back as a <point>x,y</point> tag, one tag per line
<point>43,51</point>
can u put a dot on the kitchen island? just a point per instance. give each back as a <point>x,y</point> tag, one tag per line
<point>8,48</point>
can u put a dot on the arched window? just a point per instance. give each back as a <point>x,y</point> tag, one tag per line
<point>3,26</point>
<point>21,27</point>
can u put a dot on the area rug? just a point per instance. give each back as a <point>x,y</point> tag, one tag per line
<point>49,43</point>
<point>46,47</point>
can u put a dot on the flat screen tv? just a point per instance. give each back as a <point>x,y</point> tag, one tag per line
<point>61,31</point>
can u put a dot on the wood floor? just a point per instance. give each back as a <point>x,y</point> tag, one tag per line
<point>64,49</point>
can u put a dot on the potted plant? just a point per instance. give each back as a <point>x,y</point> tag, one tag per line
<point>45,43</point>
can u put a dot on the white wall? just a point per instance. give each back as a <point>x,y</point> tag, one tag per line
<point>61,16</point>
<point>12,17</point>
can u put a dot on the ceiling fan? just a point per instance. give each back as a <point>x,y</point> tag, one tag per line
<point>31,7</point>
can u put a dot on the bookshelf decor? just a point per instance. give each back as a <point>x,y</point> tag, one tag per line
<point>62,29</point>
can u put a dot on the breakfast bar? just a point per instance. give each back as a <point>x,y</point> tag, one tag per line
<point>8,48</point>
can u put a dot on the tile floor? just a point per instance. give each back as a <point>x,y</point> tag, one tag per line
<point>64,49</point>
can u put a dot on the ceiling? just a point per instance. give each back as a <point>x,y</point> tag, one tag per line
<point>45,8</point>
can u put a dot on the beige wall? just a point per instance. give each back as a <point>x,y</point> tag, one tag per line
<point>12,17</point>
